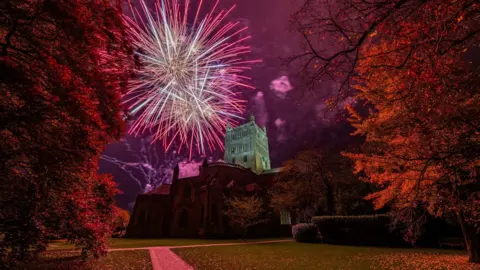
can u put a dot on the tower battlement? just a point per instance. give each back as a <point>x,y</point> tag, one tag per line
<point>247,145</point>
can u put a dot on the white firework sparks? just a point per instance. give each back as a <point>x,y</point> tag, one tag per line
<point>144,166</point>
<point>147,169</point>
<point>185,88</point>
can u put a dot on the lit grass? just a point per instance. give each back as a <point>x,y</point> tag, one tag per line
<point>146,242</point>
<point>136,243</point>
<point>61,260</point>
<point>292,255</point>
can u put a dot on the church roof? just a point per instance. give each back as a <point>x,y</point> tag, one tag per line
<point>274,170</point>
<point>163,189</point>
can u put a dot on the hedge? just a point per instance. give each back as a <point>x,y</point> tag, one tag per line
<point>358,230</point>
<point>358,217</point>
<point>305,232</point>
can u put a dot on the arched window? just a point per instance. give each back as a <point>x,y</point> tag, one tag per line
<point>285,218</point>
<point>183,219</point>
<point>233,160</point>
<point>245,159</point>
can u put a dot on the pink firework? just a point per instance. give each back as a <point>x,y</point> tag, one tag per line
<point>186,87</point>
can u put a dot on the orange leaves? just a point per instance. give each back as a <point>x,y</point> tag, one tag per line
<point>354,116</point>
<point>422,129</point>
<point>399,260</point>
<point>245,211</point>
<point>415,111</point>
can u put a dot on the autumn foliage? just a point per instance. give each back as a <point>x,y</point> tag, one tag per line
<point>63,67</point>
<point>122,217</point>
<point>408,61</point>
<point>319,182</point>
<point>245,212</point>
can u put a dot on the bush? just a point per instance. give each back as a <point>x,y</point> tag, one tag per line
<point>122,217</point>
<point>305,232</point>
<point>358,230</point>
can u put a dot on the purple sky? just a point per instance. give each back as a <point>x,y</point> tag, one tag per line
<point>296,119</point>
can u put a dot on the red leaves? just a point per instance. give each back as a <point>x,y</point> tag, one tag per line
<point>60,88</point>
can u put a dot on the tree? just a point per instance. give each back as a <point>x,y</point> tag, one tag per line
<point>336,34</point>
<point>63,67</point>
<point>245,212</point>
<point>407,60</point>
<point>424,143</point>
<point>317,182</point>
<point>405,57</point>
<point>122,217</point>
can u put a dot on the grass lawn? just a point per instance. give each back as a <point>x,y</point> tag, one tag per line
<point>61,260</point>
<point>292,255</point>
<point>145,242</point>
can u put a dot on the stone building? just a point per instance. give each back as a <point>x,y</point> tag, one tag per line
<point>194,206</point>
<point>247,145</point>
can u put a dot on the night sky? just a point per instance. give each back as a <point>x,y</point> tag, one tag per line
<point>296,117</point>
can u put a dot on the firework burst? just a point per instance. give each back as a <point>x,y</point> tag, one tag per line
<point>185,88</point>
<point>144,166</point>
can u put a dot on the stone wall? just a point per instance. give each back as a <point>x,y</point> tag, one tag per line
<point>195,206</point>
<point>151,216</point>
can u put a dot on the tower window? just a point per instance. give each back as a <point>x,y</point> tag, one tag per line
<point>245,158</point>
<point>233,160</point>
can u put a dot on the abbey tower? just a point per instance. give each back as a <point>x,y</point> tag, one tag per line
<point>247,145</point>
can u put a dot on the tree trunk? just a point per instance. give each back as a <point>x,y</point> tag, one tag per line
<point>330,199</point>
<point>245,233</point>
<point>471,239</point>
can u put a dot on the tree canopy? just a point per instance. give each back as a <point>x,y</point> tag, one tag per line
<point>245,212</point>
<point>63,67</point>
<point>409,62</point>
<point>316,182</point>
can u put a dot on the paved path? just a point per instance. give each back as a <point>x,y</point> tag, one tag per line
<point>164,259</point>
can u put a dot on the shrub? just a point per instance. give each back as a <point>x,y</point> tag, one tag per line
<point>122,217</point>
<point>305,232</point>
<point>357,230</point>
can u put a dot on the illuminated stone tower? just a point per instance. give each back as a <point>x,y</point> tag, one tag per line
<point>247,145</point>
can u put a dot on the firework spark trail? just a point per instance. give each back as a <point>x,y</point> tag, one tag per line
<point>148,170</point>
<point>185,88</point>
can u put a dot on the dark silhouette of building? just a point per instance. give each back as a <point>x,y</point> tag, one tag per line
<point>194,206</point>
